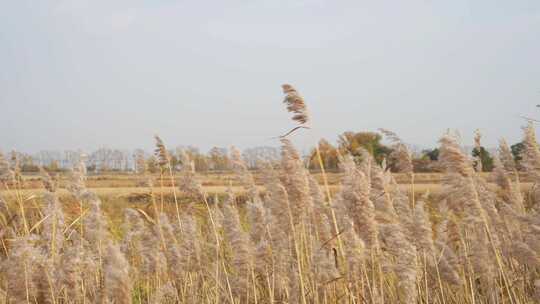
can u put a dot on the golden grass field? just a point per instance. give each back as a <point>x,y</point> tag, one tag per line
<point>126,185</point>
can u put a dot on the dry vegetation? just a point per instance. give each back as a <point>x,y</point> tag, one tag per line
<point>290,240</point>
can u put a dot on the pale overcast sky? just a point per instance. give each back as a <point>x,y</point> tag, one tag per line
<point>90,73</point>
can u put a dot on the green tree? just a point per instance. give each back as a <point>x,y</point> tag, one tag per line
<point>431,154</point>
<point>517,149</point>
<point>485,158</point>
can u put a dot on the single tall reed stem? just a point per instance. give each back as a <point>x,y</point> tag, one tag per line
<point>329,198</point>
<point>174,195</point>
<point>216,235</point>
<point>297,252</point>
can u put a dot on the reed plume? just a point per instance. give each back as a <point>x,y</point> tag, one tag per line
<point>116,276</point>
<point>241,249</point>
<point>506,156</point>
<point>279,228</point>
<point>510,192</point>
<point>452,157</point>
<point>190,248</point>
<point>296,105</point>
<point>21,270</point>
<point>246,178</point>
<point>77,178</point>
<point>531,152</point>
<point>189,183</point>
<point>295,180</point>
<point>133,228</point>
<point>400,154</point>
<point>421,230</point>
<point>355,195</point>
<point>161,152</point>
<point>321,216</point>
<point>404,261</point>
<point>48,183</point>
<point>53,225</point>
<point>381,191</point>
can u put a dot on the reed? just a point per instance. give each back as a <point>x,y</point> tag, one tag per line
<point>293,241</point>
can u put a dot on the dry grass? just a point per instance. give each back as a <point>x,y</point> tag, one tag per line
<point>467,242</point>
<point>278,237</point>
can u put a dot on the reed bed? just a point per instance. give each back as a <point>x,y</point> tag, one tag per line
<point>371,242</point>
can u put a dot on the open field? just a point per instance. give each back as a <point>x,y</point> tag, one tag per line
<point>126,192</point>
<point>216,179</point>
<point>132,188</point>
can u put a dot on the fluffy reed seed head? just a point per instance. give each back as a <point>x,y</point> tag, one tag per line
<point>400,155</point>
<point>54,224</point>
<point>525,255</point>
<point>404,262</point>
<point>506,156</point>
<point>165,294</point>
<point>355,195</point>
<point>531,152</point>
<point>118,284</point>
<point>21,268</point>
<point>133,228</point>
<point>48,182</point>
<point>321,214</point>
<point>323,264</point>
<point>77,178</point>
<point>448,263</point>
<point>422,231</point>
<point>477,139</point>
<point>295,104</point>
<point>240,245</point>
<point>452,157</point>
<point>246,178</point>
<point>95,224</point>
<point>161,152</point>
<point>189,182</point>
<point>295,180</point>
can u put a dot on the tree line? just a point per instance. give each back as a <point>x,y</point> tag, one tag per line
<point>218,159</point>
<point>353,143</point>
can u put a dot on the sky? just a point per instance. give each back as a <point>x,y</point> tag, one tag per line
<point>82,74</point>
